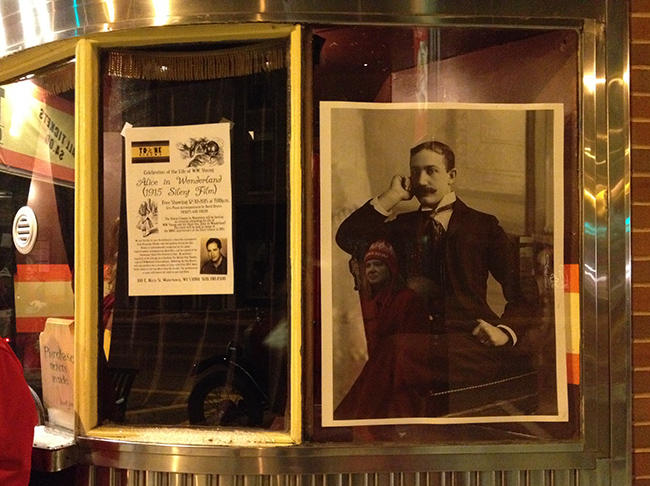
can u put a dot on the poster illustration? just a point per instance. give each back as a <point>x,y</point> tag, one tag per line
<point>179,209</point>
<point>442,277</point>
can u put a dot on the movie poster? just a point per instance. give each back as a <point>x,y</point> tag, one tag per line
<point>179,209</point>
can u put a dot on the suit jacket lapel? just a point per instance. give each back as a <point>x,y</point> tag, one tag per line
<point>456,219</point>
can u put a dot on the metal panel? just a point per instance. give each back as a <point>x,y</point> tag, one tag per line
<point>341,458</point>
<point>29,23</point>
<point>589,144</point>
<point>620,245</point>
<point>442,478</point>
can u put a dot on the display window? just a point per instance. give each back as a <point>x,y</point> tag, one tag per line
<point>186,323</point>
<point>335,234</point>
<point>447,173</point>
<point>195,326</point>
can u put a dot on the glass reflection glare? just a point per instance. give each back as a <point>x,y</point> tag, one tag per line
<point>3,39</point>
<point>110,8</point>
<point>590,196</point>
<point>36,22</point>
<point>161,8</point>
<point>592,274</point>
<point>21,97</point>
<point>590,81</point>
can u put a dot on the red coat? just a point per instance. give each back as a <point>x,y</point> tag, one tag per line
<point>393,312</point>
<point>17,421</point>
<point>386,317</point>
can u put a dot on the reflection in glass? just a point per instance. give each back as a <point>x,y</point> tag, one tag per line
<point>197,357</point>
<point>36,22</point>
<point>37,173</point>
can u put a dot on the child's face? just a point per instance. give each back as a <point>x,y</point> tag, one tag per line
<point>377,272</point>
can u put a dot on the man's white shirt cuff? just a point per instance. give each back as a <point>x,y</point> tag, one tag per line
<point>512,333</point>
<point>374,202</point>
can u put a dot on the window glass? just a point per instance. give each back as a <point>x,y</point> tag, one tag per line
<point>37,219</point>
<point>451,326</point>
<point>195,222</point>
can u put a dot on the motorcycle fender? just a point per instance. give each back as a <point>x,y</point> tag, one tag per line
<point>205,364</point>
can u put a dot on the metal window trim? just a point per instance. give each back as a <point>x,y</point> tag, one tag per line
<point>324,458</point>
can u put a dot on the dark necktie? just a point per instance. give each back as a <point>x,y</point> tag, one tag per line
<point>434,250</point>
<point>427,265</point>
<point>438,242</point>
<point>428,252</point>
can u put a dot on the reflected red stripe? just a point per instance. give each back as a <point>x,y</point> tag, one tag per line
<point>55,102</point>
<point>43,273</point>
<point>572,278</point>
<point>30,324</point>
<point>33,324</point>
<point>34,165</point>
<point>573,368</point>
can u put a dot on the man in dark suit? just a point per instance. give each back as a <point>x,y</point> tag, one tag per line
<point>447,250</point>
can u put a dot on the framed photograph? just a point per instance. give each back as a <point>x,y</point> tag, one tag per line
<point>442,248</point>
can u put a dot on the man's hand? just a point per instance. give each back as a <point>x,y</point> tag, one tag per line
<point>399,190</point>
<point>489,335</point>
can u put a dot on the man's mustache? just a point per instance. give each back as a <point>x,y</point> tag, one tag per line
<point>423,190</point>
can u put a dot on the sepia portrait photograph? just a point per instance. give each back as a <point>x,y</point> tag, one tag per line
<point>442,263</point>
<point>214,259</point>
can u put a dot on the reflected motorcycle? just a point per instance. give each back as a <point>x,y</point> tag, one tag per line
<point>236,388</point>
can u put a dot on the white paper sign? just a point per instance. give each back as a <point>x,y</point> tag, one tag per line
<point>179,209</point>
<point>57,371</point>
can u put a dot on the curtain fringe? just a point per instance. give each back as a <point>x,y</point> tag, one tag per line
<point>57,81</point>
<point>197,66</point>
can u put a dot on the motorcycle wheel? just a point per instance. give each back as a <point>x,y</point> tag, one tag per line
<point>215,401</point>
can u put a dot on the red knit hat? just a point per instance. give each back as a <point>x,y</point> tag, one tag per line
<point>383,251</point>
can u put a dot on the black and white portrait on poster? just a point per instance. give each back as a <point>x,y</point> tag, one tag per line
<point>179,209</point>
<point>442,263</point>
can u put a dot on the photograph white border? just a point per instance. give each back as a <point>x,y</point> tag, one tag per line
<point>403,139</point>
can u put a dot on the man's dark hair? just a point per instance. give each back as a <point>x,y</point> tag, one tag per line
<point>213,240</point>
<point>439,148</point>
